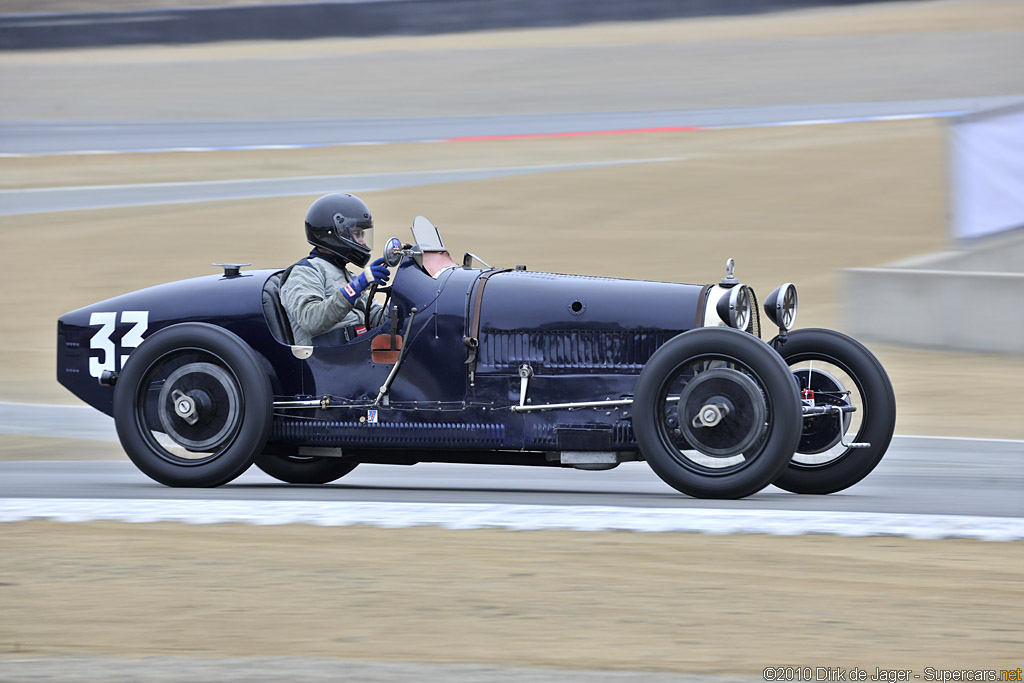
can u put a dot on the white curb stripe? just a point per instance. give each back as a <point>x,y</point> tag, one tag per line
<point>516,517</point>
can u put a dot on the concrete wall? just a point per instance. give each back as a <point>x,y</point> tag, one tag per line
<point>357,18</point>
<point>969,299</point>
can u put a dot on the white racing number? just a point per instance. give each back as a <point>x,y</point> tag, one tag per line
<point>102,341</point>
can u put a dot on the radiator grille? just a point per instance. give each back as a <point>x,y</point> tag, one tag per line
<point>754,326</point>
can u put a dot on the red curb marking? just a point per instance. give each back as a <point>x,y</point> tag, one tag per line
<point>572,134</point>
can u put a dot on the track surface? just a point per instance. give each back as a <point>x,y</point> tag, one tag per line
<point>67,137</point>
<point>171,669</point>
<point>918,475</point>
<point>42,200</point>
<point>924,475</point>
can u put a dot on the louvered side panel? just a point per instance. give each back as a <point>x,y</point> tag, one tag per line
<point>390,434</point>
<point>569,352</point>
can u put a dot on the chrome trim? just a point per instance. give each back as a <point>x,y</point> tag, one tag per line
<point>525,373</point>
<point>730,274</point>
<point>580,404</point>
<point>778,306</point>
<point>468,257</point>
<point>715,295</point>
<point>313,403</point>
<point>811,411</point>
<point>302,352</point>
<point>711,318</point>
<point>320,452</point>
<point>588,457</point>
<point>839,411</point>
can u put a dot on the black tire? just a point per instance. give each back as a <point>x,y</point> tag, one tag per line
<point>771,429</point>
<point>298,469</point>
<point>217,375</point>
<point>877,419</point>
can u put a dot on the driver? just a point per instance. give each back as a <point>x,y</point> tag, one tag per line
<point>321,297</point>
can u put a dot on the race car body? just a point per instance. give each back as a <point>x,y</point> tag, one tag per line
<point>479,364</point>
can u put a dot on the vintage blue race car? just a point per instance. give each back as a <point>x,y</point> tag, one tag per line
<point>482,365</point>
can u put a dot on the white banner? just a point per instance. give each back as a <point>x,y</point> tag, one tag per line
<point>987,172</point>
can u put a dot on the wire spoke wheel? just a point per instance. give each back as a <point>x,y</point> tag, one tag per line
<point>827,384</point>
<point>836,452</point>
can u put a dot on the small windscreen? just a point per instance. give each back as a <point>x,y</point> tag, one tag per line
<point>426,235</point>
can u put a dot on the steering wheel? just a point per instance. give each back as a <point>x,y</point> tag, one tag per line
<point>374,288</point>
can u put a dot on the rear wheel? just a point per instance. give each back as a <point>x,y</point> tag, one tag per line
<point>193,406</point>
<point>716,413</point>
<point>300,469</point>
<point>837,370</point>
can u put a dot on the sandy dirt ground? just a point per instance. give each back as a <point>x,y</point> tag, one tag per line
<point>677,602</point>
<point>33,448</point>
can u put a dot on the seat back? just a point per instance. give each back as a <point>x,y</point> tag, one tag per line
<point>273,309</point>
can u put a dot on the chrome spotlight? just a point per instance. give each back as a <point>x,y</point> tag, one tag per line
<point>780,306</point>
<point>734,307</point>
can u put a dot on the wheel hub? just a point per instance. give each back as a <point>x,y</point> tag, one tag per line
<point>199,406</point>
<point>822,432</point>
<point>185,407</point>
<point>721,412</point>
<point>713,413</point>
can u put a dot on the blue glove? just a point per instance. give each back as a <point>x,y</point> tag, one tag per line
<point>376,273</point>
<point>380,272</point>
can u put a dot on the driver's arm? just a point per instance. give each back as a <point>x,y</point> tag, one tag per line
<point>310,305</point>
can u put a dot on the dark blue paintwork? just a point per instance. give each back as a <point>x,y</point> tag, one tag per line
<point>585,338</point>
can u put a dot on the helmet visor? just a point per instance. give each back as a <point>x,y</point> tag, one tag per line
<point>363,236</point>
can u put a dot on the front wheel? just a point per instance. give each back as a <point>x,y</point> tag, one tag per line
<point>193,406</point>
<point>716,413</point>
<point>832,368</point>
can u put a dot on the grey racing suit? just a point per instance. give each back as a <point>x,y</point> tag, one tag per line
<point>315,305</point>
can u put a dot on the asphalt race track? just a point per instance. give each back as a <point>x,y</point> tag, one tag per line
<point>66,137</point>
<point>918,475</point>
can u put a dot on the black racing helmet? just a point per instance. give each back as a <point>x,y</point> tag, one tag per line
<point>341,224</point>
